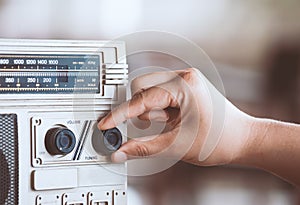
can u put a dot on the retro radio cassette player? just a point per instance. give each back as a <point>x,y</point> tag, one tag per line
<point>52,94</point>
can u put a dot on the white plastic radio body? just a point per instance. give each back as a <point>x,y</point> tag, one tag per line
<point>51,95</point>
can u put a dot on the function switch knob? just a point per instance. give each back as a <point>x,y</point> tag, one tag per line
<point>108,141</point>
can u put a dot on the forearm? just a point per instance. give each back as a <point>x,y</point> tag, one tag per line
<point>266,144</point>
<point>273,146</point>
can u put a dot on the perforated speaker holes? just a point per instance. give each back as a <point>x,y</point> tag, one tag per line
<point>4,178</point>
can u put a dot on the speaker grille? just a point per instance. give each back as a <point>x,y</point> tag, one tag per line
<point>9,160</point>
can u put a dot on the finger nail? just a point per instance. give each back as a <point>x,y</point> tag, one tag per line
<point>119,157</point>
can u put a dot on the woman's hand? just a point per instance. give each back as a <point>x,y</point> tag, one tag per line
<point>202,126</point>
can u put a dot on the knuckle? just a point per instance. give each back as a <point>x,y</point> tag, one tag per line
<point>138,96</point>
<point>142,150</point>
<point>191,75</point>
<point>192,70</point>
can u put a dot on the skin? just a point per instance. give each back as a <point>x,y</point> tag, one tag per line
<point>185,101</point>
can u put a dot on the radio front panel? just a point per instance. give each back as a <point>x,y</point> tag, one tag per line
<point>52,95</point>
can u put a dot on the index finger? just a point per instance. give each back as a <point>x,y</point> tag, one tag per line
<point>144,101</point>
<point>152,79</point>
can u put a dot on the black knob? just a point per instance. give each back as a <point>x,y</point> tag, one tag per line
<point>108,141</point>
<point>60,141</point>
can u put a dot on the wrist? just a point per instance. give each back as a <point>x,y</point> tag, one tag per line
<point>235,138</point>
<point>253,146</point>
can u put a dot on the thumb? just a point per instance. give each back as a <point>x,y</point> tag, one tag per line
<point>143,147</point>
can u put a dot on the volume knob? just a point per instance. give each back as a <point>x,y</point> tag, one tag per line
<point>60,141</point>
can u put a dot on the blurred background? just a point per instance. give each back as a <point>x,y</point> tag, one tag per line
<point>254,44</point>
